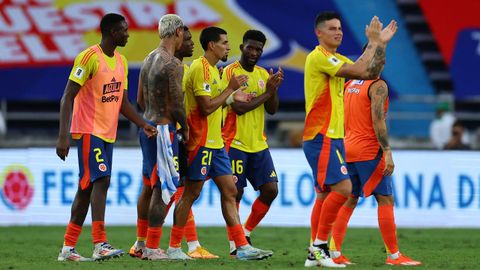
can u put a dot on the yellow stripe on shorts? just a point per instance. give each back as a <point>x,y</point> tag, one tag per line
<point>339,156</point>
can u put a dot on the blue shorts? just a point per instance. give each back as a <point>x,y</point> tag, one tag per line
<point>207,162</point>
<point>149,151</point>
<point>256,167</point>
<point>94,159</point>
<point>326,157</point>
<point>367,177</point>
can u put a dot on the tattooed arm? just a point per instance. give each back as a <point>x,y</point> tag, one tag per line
<point>175,74</point>
<point>378,93</point>
<point>371,62</point>
<point>131,114</point>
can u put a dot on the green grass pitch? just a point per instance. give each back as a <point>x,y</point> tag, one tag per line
<point>37,248</point>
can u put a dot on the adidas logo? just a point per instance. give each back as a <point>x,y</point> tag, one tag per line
<point>113,80</point>
<point>273,174</point>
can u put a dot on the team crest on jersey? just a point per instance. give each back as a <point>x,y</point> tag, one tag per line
<point>344,170</point>
<point>204,170</point>
<point>261,84</point>
<point>102,167</point>
<point>235,179</point>
<point>206,87</point>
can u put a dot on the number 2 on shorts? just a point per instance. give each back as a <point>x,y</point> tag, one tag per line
<point>98,152</point>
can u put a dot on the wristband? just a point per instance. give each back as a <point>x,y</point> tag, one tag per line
<point>230,99</point>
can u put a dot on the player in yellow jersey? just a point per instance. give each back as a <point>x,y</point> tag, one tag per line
<point>204,98</point>
<point>325,72</point>
<point>244,133</point>
<point>94,97</point>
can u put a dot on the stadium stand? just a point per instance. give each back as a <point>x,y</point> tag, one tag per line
<point>417,69</point>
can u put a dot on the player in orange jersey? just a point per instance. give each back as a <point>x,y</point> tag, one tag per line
<point>370,165</point>
<point>93,99</point>
<point>243,129</point>
<point>325,70</point>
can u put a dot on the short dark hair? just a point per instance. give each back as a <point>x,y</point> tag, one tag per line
<point>211,33</point>
<point>458,123</point>
<point>109,21</point>
<point>326,16</point>
<point>254,35</point>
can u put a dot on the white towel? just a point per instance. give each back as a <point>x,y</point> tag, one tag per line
<point>167,175</point>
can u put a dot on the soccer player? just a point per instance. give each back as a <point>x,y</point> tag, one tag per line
<point>204,97</point>
<point>161,81</point>
<point>369,164</point>
<point>93,99</point>
<point>325,70</point>
<point>243,129</point>
<point>149,152</point>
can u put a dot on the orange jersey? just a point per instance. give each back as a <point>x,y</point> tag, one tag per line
<point>96,107</point>
<point>324,94</point>
<point>361,143</point>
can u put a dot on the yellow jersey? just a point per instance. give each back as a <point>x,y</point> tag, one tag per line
<point>324,94</point>
<point>246,132</point>
<point>203,79</point>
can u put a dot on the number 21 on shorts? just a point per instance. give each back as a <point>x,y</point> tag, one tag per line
<point>207,157</point>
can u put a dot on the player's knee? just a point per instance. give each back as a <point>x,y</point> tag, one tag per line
<point>269,192</point>
<point>352,201</point>
<point>384,200</point>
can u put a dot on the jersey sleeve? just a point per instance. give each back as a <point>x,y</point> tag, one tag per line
<point>201,86</point>
<point>329,64</point>
<point>84,67</point>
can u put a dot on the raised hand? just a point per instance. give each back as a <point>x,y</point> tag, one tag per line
<point>372,31</point>
<point>388,32</point>
<point>237,81</point>
<point>275,80</point>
